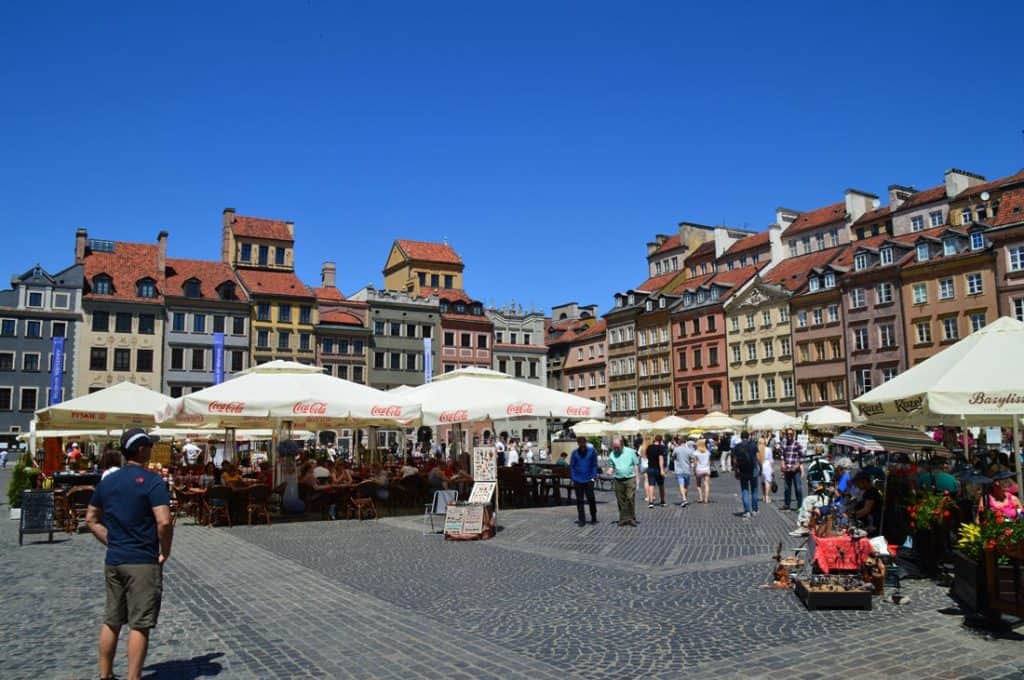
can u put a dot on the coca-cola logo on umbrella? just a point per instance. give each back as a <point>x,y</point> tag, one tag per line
<point>310,408</point>
<point>577,411</point>
<point>453,416</point>
<point>226,407</point>
<point>386,411</point>
<point>520,409</point>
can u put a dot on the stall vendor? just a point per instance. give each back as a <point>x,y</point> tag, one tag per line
<point>868,510</point>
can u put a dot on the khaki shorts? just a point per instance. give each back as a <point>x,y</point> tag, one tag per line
<point>134,592</point>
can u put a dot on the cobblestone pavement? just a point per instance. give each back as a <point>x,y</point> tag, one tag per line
<point>680,595</point>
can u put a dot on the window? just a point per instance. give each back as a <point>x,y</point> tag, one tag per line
<point>863,380</point>
<point>481,341</point>
<point>737,390</point>
<point>122,322</point>
<point>465,340</point>
<point>61,301</point>
<point>698,358</point>
<point>965,216</point>
<point>805,244</point>
<point>357,347</point>
<point>6,398</point>
<point>833,313</point>
<point>1018,309</point>
<point>284,312</point>
<point>805,353</point>
<point>801,318</point>
<point>6,361</point>
<point>696,326</point>
<point>751,351</point>
<point>977,240</point>
<point>949,246</point>
<point>769,388</point>
<point>30,362</point>
<point>177,359</point>
<point>750,321</point>
<point>357,374</point>
<point>766,318</point>
<point>737,355</point>
<point>279,253</point>
<point>198,323</point>
<point>950,328</point>
<point>923,330</point>
<point>147,324</point>
<point>920,293</point>
<point>395,329</point>
<point>306,317</point>
<point>922,252</point>
<point>837,352</point>
<point>378,328</point>
<point>449,339</point>
<point>34,328</point>
<point>29,398</point>
<point>122,359</point>
<point>144,361</point>
<point>698,395</point>
<point>946,289</point>
<point>246,255</point>
<point>860,339</point>
<point>378,359</point>
<point>102,285</point>
<point>709,322</point>
<point>785,349</point>
<point>917,223</point>
<point>833,238</point>
<point>192,289</point>
<point>816,316</point>
<point>263,255</point>
<point>886,336</point>
<point>178,322</point>
<point>822,391</point>
<point>198,360</point>
<point>860,261</point>
<point>284,340</point>
<point>263,339</point>
<point>769,348</point>
<point>263,312</point>
<point>977,321</point>
<point>884,293</point>
<point>410,361</point>
<point>793,251</point>
<point>819,241</point>
<point>888,373</point>
<point>813,283</point>
<point>327,346</point>
<point>787,386</point>
<point>218,323</point>
<point>755,389</point>
<point>935,218</point>
<point>885,255</point>
<point>305,342</point>
<point>974,286</point>
<point>783,314</point>
<point>35,299</point>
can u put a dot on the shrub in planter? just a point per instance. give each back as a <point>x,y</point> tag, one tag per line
<point>23,477</point>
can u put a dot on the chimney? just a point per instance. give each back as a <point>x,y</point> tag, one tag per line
<point>785,217</point>
<point>226,241</point>
<point>327,275</point>
<point>957,180</point>
<point>81,239</point>
<point>775,241</point>
<point>161,253</point>
<point>290,226</point>
<point>858,202</point>
<point>898,195</point>
<point>722,241</point>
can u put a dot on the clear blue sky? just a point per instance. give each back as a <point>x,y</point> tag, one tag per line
<point>547,141</point>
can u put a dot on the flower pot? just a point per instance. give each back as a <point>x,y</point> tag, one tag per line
<point>969,588</point>
<point>16,513</point>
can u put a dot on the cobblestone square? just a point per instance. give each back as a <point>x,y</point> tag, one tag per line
<point>679,596</point>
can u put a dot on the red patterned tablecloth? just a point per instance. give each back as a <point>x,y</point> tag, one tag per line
<point>840,552</point>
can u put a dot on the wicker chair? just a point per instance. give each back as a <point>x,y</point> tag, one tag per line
<point>217,504</point>
<point>361,503</point>
<point>257,503</point>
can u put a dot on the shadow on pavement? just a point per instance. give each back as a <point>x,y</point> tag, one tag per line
<point>197,667</point>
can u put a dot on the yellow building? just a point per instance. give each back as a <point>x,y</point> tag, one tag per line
<point>284,310</point>
<point>416,265</point>
<point>978,202</point>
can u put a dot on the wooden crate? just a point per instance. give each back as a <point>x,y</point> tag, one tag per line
<point>814,599</point>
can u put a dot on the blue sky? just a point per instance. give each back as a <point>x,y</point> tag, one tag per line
<point>546,141</point>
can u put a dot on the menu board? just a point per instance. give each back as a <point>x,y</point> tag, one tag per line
<point>464,520</point>
<point>37,513</point>
<point>485,464</point>
<point>454,518</point>
<point>482,492</point>
<point>473,520</point>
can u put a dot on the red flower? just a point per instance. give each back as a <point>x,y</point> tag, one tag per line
<point>913,524</point>
<point>1008,532</point>
<point>991,544</point>
<point>947,513</point>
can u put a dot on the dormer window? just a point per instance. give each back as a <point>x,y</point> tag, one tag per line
<point>478,310</point>
<point>922,252</point>
<point>860,261</point>
<point>444,307</point>
<point>618,301</point>
<point>701,296</point>
<point>146,288</point>
<point>949,246</point>
<point>649,305</point>
<point>657,267</point>
<point>661,303</point>
<point>192,288</point>
<point>632,299</point>
<point>688,299</point>
<point>246,254</point>
<point>977,240</point>
<point>813,284</point>
<point>830,280</point>
<point>460,308</point>
<point>713,294</point>
<point>102,285</point>
<point>885,255</point>
<point>226,291</point>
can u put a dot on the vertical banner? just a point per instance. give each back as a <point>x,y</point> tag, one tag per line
<point>57,371</point>
<point>428,361</point>
<point>218,358</point>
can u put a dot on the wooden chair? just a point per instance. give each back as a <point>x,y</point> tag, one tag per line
<point>257,503</point>
<point>217,504</point>
<point>361,503</point>
<point>61,511</point>
<point>78,498</point>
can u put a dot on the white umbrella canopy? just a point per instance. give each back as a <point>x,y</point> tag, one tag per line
<point>980,377</point>
<point>770,419</point>
<point>716,421</point>
<point>472,394</point>
<point>828,416</point>
<point>399,389</point>
<point>631,426</point>
<point>671,424</point>
<point>122,405</point>
<point>591,428</point>
<point>280,391</point>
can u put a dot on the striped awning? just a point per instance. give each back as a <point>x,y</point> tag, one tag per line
<point>889,438</point>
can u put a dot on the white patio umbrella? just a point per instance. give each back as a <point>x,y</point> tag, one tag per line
<point>632,426</point>
<point>473,394</point>
<point>591,428</point>
<point>400,389</point>
<point>770,419</point>
<point>671,424</point>
<point>285,391</point>
<point>828,416</point>
<point>716,421</point>
<point>119,406</point>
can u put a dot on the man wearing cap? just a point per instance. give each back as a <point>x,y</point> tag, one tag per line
<point>130,514</point>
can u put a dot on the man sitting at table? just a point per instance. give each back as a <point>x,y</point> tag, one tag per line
<point>437,479</point>
<point>408,469</point>
<point>341,474</point>
<point>868,510</point>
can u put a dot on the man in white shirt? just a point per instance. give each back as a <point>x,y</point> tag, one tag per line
<point>513,453</point>
<point>192,452</point>
<point>320,472</point>
<point>529,453</point>
<point>499,450</point>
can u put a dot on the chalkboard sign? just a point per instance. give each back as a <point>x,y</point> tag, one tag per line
<point>37,513</point>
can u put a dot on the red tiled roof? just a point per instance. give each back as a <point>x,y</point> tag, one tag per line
<point>1011,208</point>
<point>845,258</point>
<point>599,328</point>
<point>873,215</point>
<point>327,294</point>
<point>210,274</point>
<point>753,242</point>
<point>656,282</point>
<point>703,250</point>
<point>791,273</point>
<point>426,251</point>
<point>260,227</point>
<point>817,218</point>
<point>691,283</point>
<point>734,277</point>
<point>988,186</point>
<point>671,243</point>
<point>340,317</point>
<point>261,282</point>
<point>128,264</point>
<point>924,197</point>
<point>449,294</point>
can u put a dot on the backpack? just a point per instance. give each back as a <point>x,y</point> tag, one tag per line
<point>746,458</point>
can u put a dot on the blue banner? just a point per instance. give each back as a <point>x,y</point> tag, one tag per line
<point>428,361</point>
<point>57,371</point>
<point>218,358</point>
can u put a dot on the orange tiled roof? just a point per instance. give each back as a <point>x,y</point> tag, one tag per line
<point>734,277</point>
<point>919,198</point>
<point>791,273</point>
<point>691,283</point>
<point>671,243</point>
<point>260,227</point>
<point>260,282</point>
<point>1011,208</point>
<point>425,251</point>
<point>210,274</point>
<point>656,282</point>
<point>449,294</point>
<point>339,316</point>
<point>128,264</point>
<point>817,218</point>
<point>599,328</point>
<point>327,294</point>
<point>753,242</point>
<point>568,330</point>
<point>703,250</point>
<point>988,186</point>
<point>873,215</point>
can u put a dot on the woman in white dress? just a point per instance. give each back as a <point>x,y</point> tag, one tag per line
<point>764,455</point>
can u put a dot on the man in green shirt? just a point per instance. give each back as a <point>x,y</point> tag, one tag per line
<point>624,466</point>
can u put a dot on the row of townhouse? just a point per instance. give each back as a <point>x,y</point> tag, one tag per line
<point>822,306</point>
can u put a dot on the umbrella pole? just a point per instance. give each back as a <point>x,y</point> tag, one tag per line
<point>1015,452</point>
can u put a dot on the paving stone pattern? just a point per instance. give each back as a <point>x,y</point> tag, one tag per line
<point>680,595</point>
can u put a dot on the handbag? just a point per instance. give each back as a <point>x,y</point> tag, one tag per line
<point>775,486</point>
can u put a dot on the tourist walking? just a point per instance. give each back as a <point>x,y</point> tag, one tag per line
<point>130,514</point>
<point>623,466</point>
<point>725,452</point>
<point>764,455</point>
<point>744,455</point>
<point>681,454</point>
<point>656,454</point>
<point>792,468</point>
<point>583,471</point>
<point>702,471</point>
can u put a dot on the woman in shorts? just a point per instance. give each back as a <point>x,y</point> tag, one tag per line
<point>702,471</point>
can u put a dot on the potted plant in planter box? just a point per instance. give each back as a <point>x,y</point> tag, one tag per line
<point>969,585</point>
<point>23,477</point>
<point>930,513</point>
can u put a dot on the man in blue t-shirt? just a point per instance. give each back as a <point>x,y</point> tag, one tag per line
<point>583,470</point>
<point>130,514</point>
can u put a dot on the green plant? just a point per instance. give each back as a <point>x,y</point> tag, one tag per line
<point>991,530</point>
<point>23,477</point>
<point>929,508</point>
